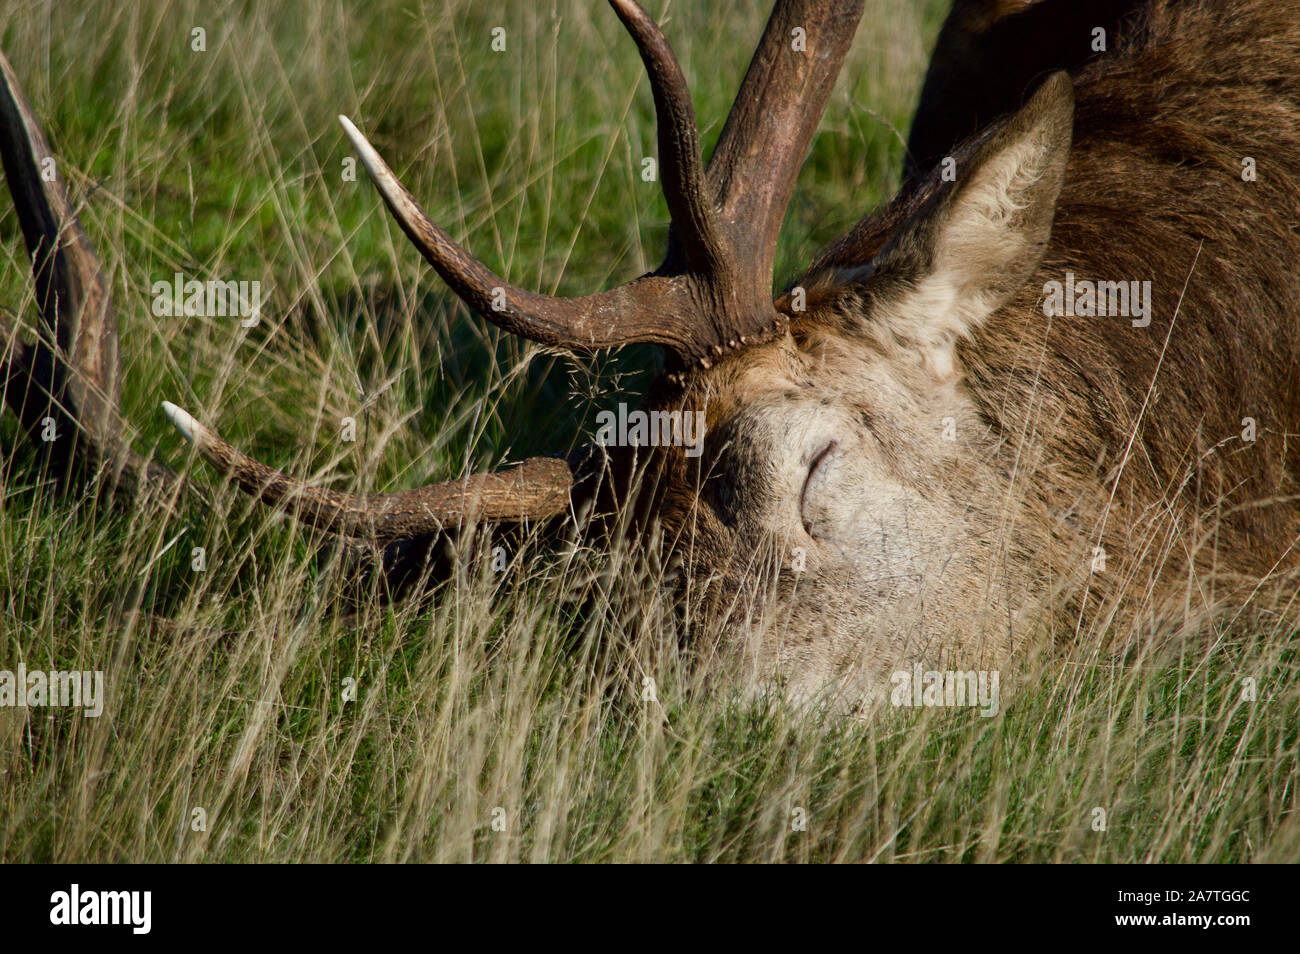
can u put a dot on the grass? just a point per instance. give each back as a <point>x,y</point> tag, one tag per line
<point>503,718</point>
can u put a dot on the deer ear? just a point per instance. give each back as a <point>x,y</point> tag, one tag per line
<point>970,247</point>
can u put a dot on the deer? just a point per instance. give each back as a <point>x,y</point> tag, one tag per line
<point>919,449</point>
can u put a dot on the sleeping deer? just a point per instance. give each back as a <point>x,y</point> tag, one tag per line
<point>1052,387</point>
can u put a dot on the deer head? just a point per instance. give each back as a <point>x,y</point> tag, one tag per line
<point>849,505</point>
<point>825,501</point>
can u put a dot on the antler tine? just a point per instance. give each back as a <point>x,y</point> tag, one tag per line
<point>766,137</point>
<point>539,487</point>
<point>653,308</point>
<point>681,167</point>
<point>72,373</point>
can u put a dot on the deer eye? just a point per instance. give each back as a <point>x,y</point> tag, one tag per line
<point>815,474</point>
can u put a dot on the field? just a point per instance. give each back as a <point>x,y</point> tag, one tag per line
<point>257,711</point>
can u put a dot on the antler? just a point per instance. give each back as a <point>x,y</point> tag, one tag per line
<point>712,293</point>
<point>537,488</point>
<point>771,125</point>
<point>66,386</point>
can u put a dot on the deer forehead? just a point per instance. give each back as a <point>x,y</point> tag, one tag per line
<point>831,376</point>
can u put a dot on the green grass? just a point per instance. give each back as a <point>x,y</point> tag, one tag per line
<point>519,691</point>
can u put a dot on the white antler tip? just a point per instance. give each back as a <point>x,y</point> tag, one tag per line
<point>359,142</point>
<point>383,177</point>
<point>182,420</point>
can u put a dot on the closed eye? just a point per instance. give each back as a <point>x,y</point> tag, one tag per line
<point>817,461</point>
